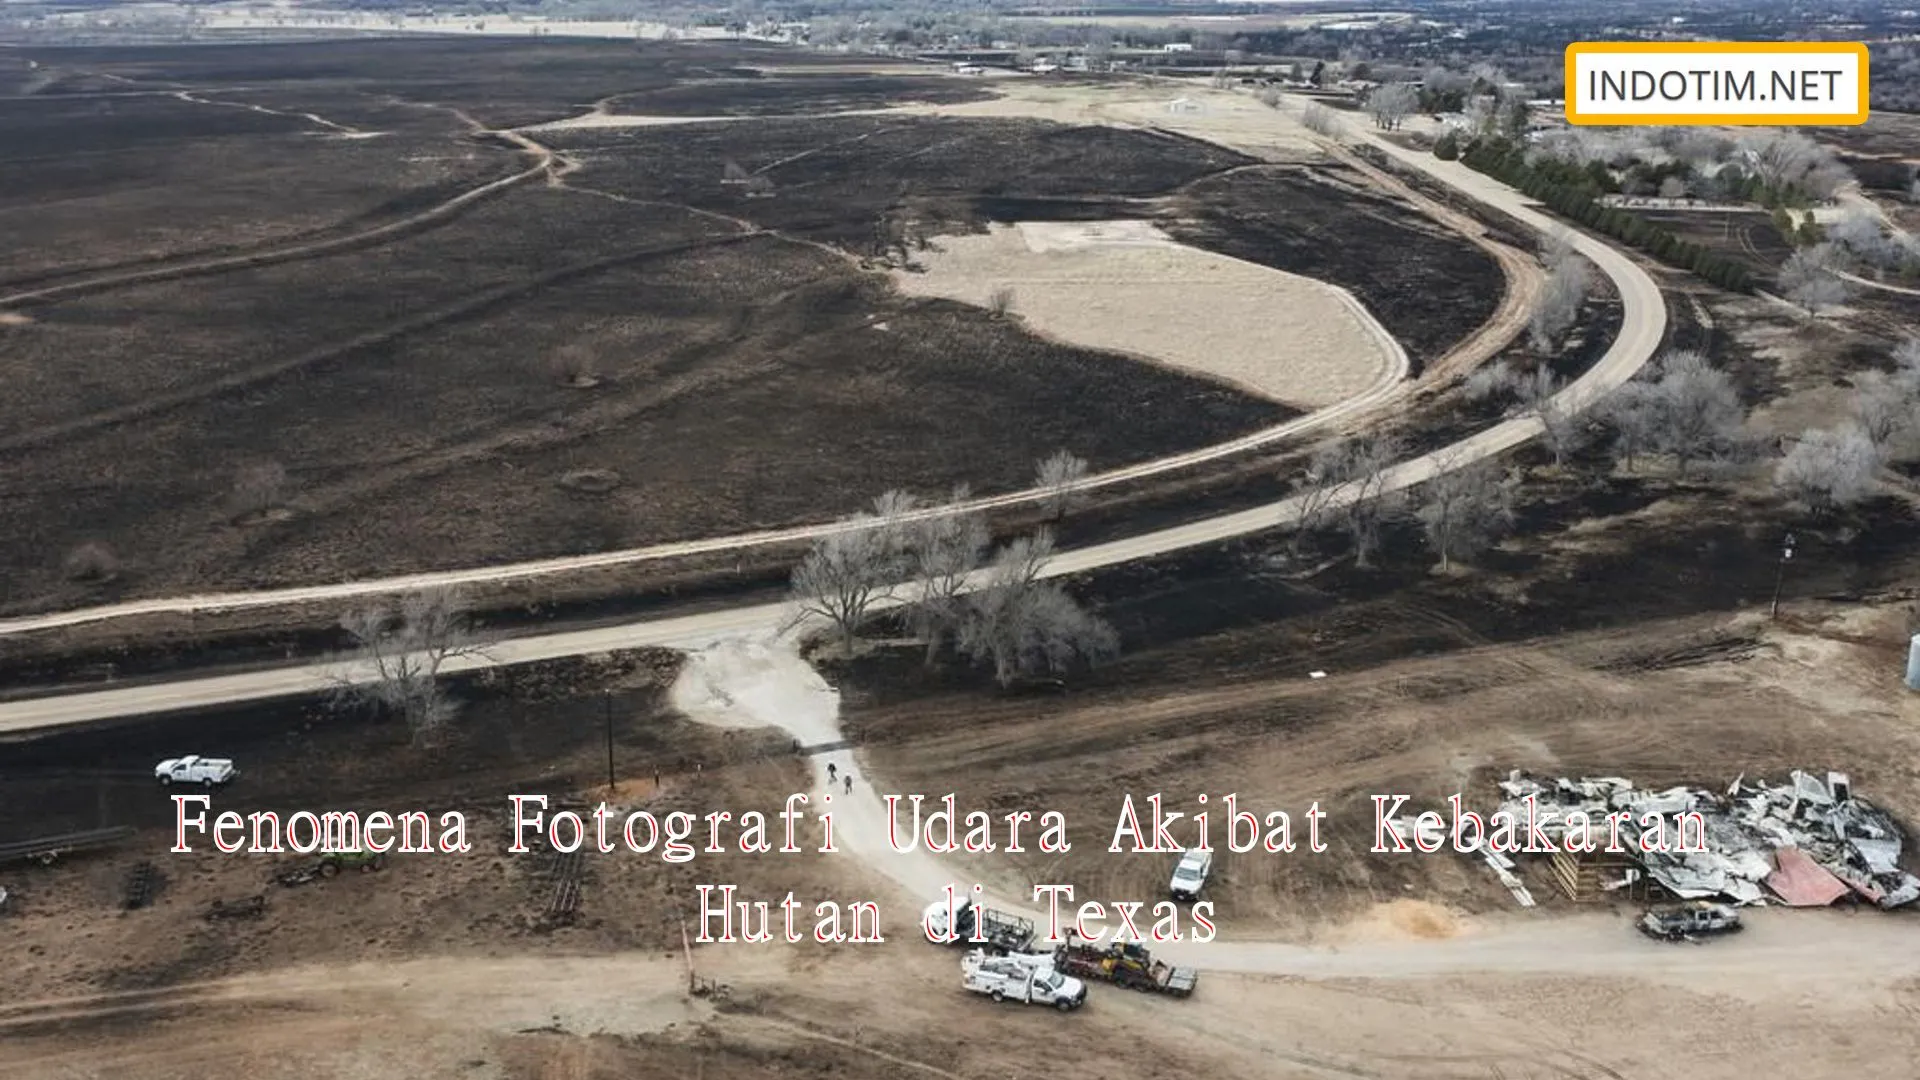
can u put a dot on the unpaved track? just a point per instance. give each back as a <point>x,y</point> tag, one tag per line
<point>1642,327</point>
<point>546,163</point>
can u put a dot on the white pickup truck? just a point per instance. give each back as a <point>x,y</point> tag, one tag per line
<point>1021,978</point>
<point>1190,875</point>
<point>194,769</point>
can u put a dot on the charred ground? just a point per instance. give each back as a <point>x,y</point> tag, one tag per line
<point>745,369</point>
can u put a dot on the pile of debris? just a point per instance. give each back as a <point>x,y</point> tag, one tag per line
<point>1808,842</point>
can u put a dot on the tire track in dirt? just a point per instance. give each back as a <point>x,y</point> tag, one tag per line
<point>547,164</point>
<point>235,382</point>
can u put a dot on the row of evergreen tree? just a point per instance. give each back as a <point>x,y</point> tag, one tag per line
<point>1573,191</point>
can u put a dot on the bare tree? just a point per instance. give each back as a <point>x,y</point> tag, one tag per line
<point>942,550</point>
<point>1000,301</point>
<point>1699,411</point>
<point>1860,234</point>
<point>1828,470</point>
<point>1906,363</point>
<point>573,365</point>
<point>1811,280</point>
<point>1319,119</point>
<point>1057,476</point>
<point>1558,306</point>
<point>92,562</point>
<point>403,648</point>
<point>1391,103</point>
<point>1357,467</point>
<point>1789,160</point>
<point>1464,510</point>
<point>846,572</point>
<point>1632,414</point>
<point>1020,623</point>
<point>1561,426</point>
<point>1314,493</point>
<point>1489,382</point>
<point>1886,407</point>
<point>260,488</point>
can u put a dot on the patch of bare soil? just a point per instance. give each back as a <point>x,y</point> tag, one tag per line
<point>1124,286</point>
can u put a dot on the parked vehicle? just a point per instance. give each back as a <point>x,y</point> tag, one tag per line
<point>194,769</point>
<point>1125,964</point>
<point>1001,932</point>
<point>1021,978</point>
<point>1190,875</point>
<point>330,864</point>
<point>1690,921</point>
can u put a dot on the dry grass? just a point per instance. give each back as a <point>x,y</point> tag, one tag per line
<point>1126,287</point>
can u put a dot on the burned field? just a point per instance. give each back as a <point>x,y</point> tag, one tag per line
<point>439,372</point>
<point>1322,222</point>
<point>751,92</point>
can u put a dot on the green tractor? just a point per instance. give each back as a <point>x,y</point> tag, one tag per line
<point>364,861</point>
<point>330,864</point>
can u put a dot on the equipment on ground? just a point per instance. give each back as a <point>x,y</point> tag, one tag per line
<point>999,932</point>
<point>1689,922</point>
<point>1125,964</point>
<point>194,769</point>
<point>1021,978</point>
<point>46,849</point>
<point>330,864</point>
<point>251,908</point>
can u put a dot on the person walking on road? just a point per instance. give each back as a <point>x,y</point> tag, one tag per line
<point>830,776</point>
<point>849,779</point>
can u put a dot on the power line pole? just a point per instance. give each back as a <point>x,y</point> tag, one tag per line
<point>607,697</point>
<point>1780,575</point>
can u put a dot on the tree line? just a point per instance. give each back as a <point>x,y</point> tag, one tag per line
<point>1572,191</point>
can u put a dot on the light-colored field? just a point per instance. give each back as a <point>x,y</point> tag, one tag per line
<point>1274,20</point>
<point>1234,120</point>
<point>1222,116</point>
<point>1126,287</point>
<point>288,16</point>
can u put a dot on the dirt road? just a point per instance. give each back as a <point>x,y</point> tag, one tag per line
<point>761,682</point>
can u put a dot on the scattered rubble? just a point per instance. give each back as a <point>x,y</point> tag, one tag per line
<point>1807,842</point>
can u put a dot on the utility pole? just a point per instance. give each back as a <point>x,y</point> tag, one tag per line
<point>607,697</point>
<point>1780,575</point>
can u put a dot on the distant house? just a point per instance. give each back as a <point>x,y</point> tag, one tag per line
<point>1176,46</point>
<point>1042,67</point>
<point>1183,105</point>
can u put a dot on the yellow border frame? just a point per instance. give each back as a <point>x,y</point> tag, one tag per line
<point>1729,119</point>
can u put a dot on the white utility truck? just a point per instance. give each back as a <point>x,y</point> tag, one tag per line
<point>1021,978</point>
<point>194,769</point>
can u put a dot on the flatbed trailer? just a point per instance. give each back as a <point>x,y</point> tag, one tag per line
<point>46,849</point>
<point>1125,965</point>
<point>1000,933</point>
